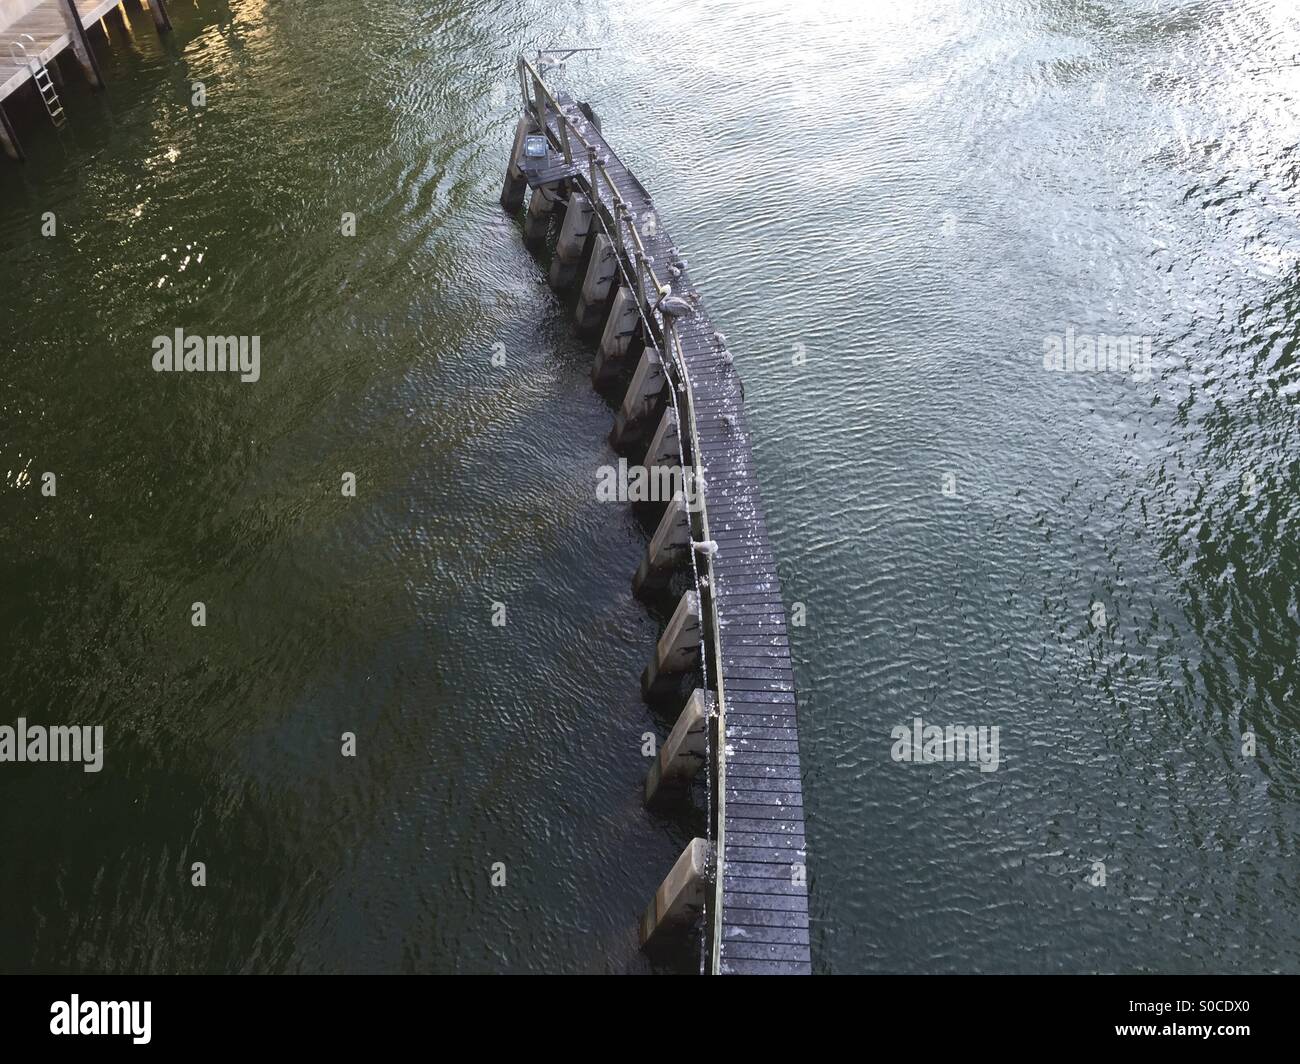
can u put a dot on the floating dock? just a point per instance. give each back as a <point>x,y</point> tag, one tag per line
<point>34,33</point>
<point>724,656</point>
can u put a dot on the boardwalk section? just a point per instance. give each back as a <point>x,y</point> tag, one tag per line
<point>757,910</point>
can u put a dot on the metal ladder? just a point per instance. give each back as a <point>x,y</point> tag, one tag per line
<point>40,75</point>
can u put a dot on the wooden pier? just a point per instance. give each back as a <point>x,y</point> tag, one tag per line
<point>745,884</point>
<point>34,33</point>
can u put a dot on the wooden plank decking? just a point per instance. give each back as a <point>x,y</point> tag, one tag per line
<point>764,916</point>
<point>49,27</point>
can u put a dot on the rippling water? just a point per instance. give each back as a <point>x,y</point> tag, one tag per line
<point>891,209</point>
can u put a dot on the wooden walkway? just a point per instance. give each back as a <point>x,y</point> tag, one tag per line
<point>50,28</point>
<point>764,896</point>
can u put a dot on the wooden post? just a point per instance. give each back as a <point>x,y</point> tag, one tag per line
<point>158,8</point>
<point>81,45</point>
<point>9,138</point>
<point>515,185</point>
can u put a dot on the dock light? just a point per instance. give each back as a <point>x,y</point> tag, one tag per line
<point>540,165</point>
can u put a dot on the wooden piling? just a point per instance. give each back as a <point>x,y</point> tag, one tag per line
<point>162,20</point>
<point>81,46</point>
<point>515,184</point>
<point>577,224</point>
<point>9,138</point>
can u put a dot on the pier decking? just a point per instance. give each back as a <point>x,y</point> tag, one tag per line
<point>34,33</point>
<point>757,904</point>
<point>49,26</point>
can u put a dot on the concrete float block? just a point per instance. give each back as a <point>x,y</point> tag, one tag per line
<point>602,269</point>
<point>620,327</point>
<point>668,546</point>
<point>567,259</point>
<point>678,648</point>
<point>664,443</point>
<point>680,898</point>
<point>576,226</point>
<point>641,402</point>
<point>537,219</point>
<point>685,750</point>
<point>562,274</point>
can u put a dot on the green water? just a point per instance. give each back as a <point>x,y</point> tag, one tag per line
<point>914,198</point>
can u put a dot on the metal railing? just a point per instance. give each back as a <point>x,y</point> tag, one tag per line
<point>552,118</point>
<point>579,152</point>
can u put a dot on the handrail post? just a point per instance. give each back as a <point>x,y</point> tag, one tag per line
<point>539,101</point>
<point>604,174</point>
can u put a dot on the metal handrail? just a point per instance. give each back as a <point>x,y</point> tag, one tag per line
<point>25,59</point>
<point>567,131</point>
<point>537,103</point>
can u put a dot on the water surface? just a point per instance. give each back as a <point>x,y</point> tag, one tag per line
<point>891,208</point>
